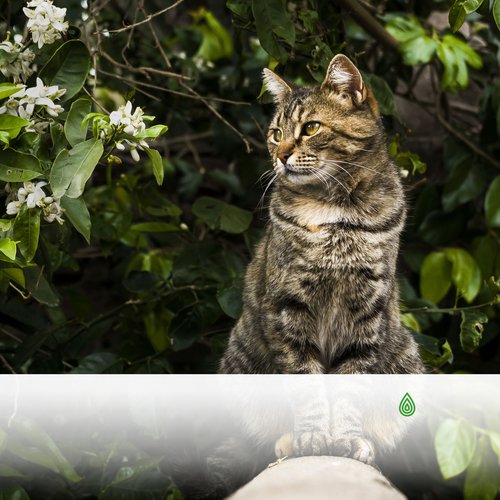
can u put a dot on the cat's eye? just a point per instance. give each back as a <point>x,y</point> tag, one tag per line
<point>277,135</point>
<point>310,128</point>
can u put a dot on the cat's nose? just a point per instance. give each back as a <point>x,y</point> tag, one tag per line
<point>284,155</point>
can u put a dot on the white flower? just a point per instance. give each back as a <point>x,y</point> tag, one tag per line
<point>45,21</point>
<point>23,103</point>
<point>19,67</point>
<point>41,96</point>
<point>53,212</point>
<point>36,197</point>
<point>128,122</point>
<point>33,195</point>
<point>13,207</point>
<point>134,154</point>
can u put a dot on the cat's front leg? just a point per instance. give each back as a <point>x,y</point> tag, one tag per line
<point>347,429</point>
<point>311,419</point>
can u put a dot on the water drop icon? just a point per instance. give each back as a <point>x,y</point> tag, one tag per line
<point>407,406</point>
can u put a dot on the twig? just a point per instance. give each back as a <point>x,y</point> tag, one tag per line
<point>369,23</point>
<point>447,310</point>
<point>157,41</point>
<point>219,116</point>
<point>133,83</point>
<point>143,69</point>
<point>147,19</point>
<point>7,365</point>
<point>465,140</point>
<point>95,101</point>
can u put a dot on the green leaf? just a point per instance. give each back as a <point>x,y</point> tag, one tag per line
<point>486,251</point>
<point>435,277</point>
<point>26,231</point>
<point>418,50</point>
<point>216,41</point>
<point>41,450</point>
<point>465,182</point>
<point>471,329</point>
<point>78,214</point>
<point>157,164</point>
<point>18,167</point>
<point>435,352</point>
<point>132,471</point>
<point>495,443</point>
<point>74,128</point>
<point>14,274</point>
<point>12,125</point>
<point>492,203</point>
<point>72,169</point>
<point>8,471</point>
<point>409,320</point>
<point>482,479</point>
<point>465,272</point>
<point>456,16</point>
<point>13,492</point>
<point>68,68</point>
<point>219,215</point>
<point>273,24</point>
<point>7,89</point>
<point>404,28</point>
<point>455,55</point>
<point>459,10</point>
<point>383,94</point>
<point>8,248</point>
<point>157,325</point>
<point>99,362</point>
<point>455,443</point>
<point>241,8</point>
<point>154,227</point>
<point>496,12</point>
<point>39,287</point>
<point>152,132</point>
<point>230,300</point>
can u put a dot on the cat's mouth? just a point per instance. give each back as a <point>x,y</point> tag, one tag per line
<point>298,171</point>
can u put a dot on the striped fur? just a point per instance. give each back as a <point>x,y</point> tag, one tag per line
<point>321,294</point>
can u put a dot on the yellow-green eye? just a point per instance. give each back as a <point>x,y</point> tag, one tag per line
<point>278,135</point>
<point>310,128</point>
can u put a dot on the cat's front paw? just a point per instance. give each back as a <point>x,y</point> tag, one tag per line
<point>304,444</point>
<point>355,447</point>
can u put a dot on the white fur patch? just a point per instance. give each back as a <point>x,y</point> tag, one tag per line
<point>275,85</point>
<point>340,77</point>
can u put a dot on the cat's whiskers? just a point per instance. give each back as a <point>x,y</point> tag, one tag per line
<point>354,164</point>
<point>267,173</point>
<point>327,175</point>
<point>261,201</point>
<point>344,169</point>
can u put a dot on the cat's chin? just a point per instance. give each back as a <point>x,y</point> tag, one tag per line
<point>298,175</point>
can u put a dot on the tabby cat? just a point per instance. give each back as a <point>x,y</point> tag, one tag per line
<point>321,294</point>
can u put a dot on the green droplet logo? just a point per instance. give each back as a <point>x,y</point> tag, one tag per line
<point>407,406</point>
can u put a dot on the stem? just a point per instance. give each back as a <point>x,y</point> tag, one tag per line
<point>369,23</point>
<point>447,310</point>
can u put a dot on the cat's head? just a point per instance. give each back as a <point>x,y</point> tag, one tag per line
<point>323,133</point>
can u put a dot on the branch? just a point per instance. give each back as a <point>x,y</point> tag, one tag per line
<point>369,23</point>
<point>318,477</point>
<point>147,19</point>
<point>142,69</point>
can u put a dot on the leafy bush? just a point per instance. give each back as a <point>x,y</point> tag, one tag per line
<point>112,265</point>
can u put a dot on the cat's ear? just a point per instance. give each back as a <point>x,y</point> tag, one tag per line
<point>342,77</point>
<point>276,86</point>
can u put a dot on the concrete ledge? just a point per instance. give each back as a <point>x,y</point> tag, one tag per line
<point>319,478</point>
